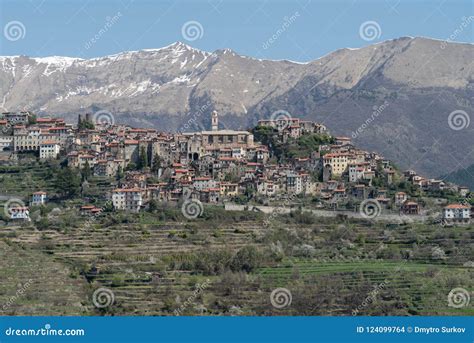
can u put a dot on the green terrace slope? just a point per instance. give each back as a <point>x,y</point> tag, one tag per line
<point>153,262</point>
<point>33,283</point>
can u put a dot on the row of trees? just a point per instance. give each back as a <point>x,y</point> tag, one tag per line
<point>144,162</point>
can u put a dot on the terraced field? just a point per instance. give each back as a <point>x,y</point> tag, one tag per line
<point>132,259</point>
<point>18,180</point>
<point>225,263</point>
<point>153,266</point>
<point>32,283</point>
<point>424,287</point>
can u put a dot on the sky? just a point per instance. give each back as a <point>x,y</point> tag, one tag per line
<point>298,30</point>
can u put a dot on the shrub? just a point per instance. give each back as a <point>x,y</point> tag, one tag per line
<point>246,259</point>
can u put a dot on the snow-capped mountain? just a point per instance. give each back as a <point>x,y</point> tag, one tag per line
<point>421,80</point>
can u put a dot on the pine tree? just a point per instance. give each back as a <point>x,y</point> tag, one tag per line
<point>156,164</point>
<point>119,174</point>
<point>86,171</point>
<point>68,182</point>
<point>142,158</point>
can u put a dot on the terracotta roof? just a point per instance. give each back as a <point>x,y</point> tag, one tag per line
<point>127,190</point>
<point>335,154</point>
<point>457,206</point>
<point>49,142</point>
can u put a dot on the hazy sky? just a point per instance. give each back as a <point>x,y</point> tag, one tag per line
<point>297,30</point>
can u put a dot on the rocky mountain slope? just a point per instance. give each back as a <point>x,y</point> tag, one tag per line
<point>463,177</point>
<point>394,97</point>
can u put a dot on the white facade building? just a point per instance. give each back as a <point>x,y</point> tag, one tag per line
<point>49,150</point>
<point>457,213</point>
<point>128,199</point>
<point>38,198</point>
<point>21,213</point>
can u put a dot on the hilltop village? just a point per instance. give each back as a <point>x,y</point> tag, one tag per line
<point>280,159</point>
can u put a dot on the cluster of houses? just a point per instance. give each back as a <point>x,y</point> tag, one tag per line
<point>20,133</point>
<point>216,165</point>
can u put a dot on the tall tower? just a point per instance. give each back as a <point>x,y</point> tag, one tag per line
<point>214,121</point>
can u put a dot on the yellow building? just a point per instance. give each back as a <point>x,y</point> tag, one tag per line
<point>229,189</point>
<point>337,161</point>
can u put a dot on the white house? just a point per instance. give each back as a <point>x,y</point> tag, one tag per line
<point>202,183</point>
<point>294,183</point>
<point>463,191</point>
<point>400,198</point>
<point>6,143</point>
<point>22,213</point>
<point>38,198</point>
<point>268,188</point>
<point>457,213</point>
<point>49,150</point>
<point>356,172</point>
<point>128,199</point>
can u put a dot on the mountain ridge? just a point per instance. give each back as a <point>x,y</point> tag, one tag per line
<point>421,81</point>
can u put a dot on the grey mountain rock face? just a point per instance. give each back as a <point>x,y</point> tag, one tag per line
<point>393,97</point>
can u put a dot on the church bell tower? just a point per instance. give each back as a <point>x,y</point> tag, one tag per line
<point>214,121</point>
